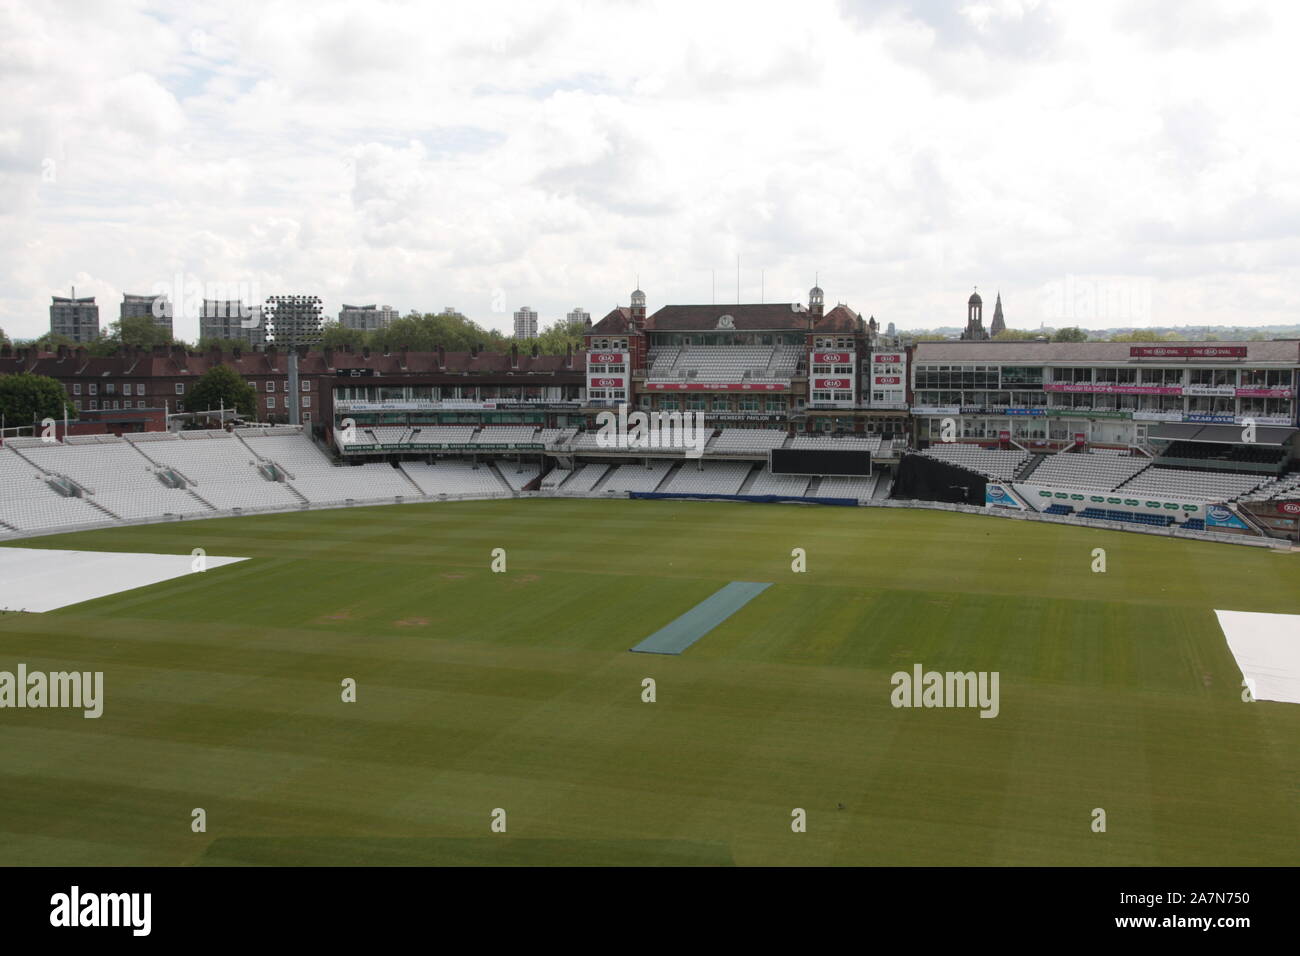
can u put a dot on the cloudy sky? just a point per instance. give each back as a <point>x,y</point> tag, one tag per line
<point>1104,165</point>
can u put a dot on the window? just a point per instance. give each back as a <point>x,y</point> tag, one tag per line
<point>306,418</point>
<point>76,389</point>
<point>78,405</point>
<point>94,405</point>
<point>306,385</point>
<point>180,406</point>
<point>270,387</point>
<point>94,389</point>
<point>139,390</point>
<point>270,402</point>
<point>306,401</point>
<point>180,388</point>
<point>110,388</point>
<point>140,404</point>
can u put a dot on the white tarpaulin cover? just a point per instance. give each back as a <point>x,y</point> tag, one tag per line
<point>1267,649</point>
<point>40,579</point>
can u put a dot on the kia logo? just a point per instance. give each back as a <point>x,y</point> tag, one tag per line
<point>609,358</point>
<point>607,382</point>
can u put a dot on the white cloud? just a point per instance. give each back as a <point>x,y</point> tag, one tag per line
<point>427,155</point>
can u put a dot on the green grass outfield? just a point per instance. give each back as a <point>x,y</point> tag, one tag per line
<point>479,691</point>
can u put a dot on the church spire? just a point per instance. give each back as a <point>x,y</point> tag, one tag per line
<point>999,324</point>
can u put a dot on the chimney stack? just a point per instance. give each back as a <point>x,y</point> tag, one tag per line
<point>568,356</point>
<point>514,355</point>
<point>442,357</point>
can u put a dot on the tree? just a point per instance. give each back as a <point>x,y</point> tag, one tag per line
<point>222,387</point>
<point>226,345</point>
<point>4,339</point>
<point>557,337</point>
<point>50,341</point>
<point>1146,335</point>
<point>1071,334</point>
<point>1017,335</point>
<point>27,398</point>
<point>451,330</point>
<point>335,335</point>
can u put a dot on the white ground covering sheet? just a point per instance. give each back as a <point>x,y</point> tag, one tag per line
<point>1267,649</point>
<point>37,579</point>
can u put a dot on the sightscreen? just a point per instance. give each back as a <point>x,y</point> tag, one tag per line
<point>819,461</point>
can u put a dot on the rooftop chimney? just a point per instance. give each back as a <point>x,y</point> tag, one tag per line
<point>514,355</point>
<point>568,356</point>
<point>442,357</point>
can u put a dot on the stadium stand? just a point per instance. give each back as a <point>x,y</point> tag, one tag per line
<point>766,483</point>
<point>1288,486</point>
<point>319,480</point>
<point>1209,486</point>
<point>994,463</point>
<point>116,476</point>
<point>442,434</point>
<point>450,477</point>
<point>724,363</point>
<point>860,488</point>
<point>29,504</point>
<point>746,441</point>
<point>1102,472</point>
<point>221,470</point>
<point>709,478</point>
<point>518,474</point>
<point>584,478</point>
<point>507,435</point>
<point>871,443</point>
<point>635,476</point>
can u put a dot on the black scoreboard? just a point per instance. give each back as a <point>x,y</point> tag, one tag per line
<point>827,462</point>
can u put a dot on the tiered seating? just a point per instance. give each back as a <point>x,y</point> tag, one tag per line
<point>869,443</point>
<point>518,474</point>
<point>1288,486</point>
<point>1194,524</point>
<point>387,434</point>
<point>27,503</point>
<point>1058,510</point>
<point>1193,485</point>
<point>117,477</point>
<point>507,435</point>
<point>587,441</point>
<point>320,481</point>
<point>584,478</point>
<point>554,478</point>
<point>1106,514</point>
<point>451,477</point>
<point>992,462</point>
<point>709,478</point>
<point>662,361</point>
<point>442,434</point>
<point>223,470</point>
<point>556,436</point>
<point>635,476</point>
<point>1093,471</point>
<point>746,441</point>
<point>725,364</point>
<point>860,488</point>
<point>769,484</point>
